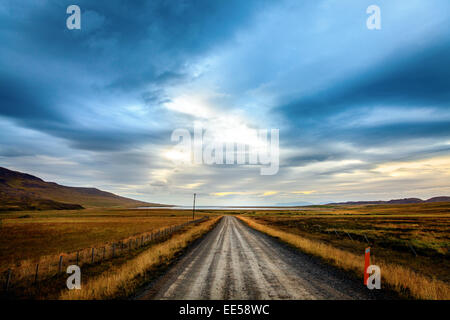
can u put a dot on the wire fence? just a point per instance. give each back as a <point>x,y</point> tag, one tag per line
<point>370,240</point>
<point>31,272</point>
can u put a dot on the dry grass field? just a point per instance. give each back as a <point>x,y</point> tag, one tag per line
<point>122,280</point>
<point>29,236</point>
<point>33,238</point>
<point>414,238</point>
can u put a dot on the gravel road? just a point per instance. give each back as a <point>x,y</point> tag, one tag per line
<point>234,261</point>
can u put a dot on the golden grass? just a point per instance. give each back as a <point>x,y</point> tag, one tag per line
<point>399,278</point>
<point>31,237</point>
<point>391,236</point>
<point>121,281</point>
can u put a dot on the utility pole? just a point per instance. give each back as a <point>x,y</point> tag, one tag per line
<point>193,208</point>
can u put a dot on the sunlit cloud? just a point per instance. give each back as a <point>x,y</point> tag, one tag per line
<point>269,193</point>
<point>303,192</point>
<point>438,165</point>
<point>228,193</point>
<point>192,185</point>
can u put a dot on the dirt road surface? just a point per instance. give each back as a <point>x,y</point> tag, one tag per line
<point>234,261</point>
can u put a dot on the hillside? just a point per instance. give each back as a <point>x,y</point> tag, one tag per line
<point>397,201</point>
<point>21,191</point>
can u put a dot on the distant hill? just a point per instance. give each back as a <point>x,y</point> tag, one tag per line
<point>396,201</point>
<point>21,191</point>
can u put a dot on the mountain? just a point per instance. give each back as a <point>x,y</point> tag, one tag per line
<point>21,191</point>
<point>397,201</point>
<point>438,199</point>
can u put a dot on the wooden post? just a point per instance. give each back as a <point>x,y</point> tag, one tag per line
<point>36,273</point>
<point>193,208</point>
<point>8,279</point>
<point>412,249</point>
<point>60,264</point>
<point>92,257</point>
<point>349,235</point>
<point>367,240</point>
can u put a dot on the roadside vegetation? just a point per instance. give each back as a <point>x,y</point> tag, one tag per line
<point>409,242</point>
<point>32,236</point>
<point>122,281</point>
<point>96,239</point>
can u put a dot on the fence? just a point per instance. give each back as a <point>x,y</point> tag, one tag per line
<point>372,241</point>
<point>32,272</point>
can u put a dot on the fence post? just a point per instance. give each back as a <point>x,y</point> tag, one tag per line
<point>367,240</point>
<point>36,274</point>
<point>92,258</point>
<point>8,279</point>
<point>60,264</point>
<point>412,249</point>
<point>349,235</point>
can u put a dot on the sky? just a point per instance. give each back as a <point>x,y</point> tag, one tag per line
<point>361,114</point>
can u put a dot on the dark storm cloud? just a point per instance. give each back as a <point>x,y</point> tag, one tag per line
<point>419,79</point>
<point>405,80</point>
<point>97,106</point>
<point>23,99</point>
<point>131,50</point>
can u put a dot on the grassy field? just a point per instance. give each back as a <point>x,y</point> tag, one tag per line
<point>338,234</point>
<point>390,229</point>
<point>123,280</point>
<point>118,276</point>
<point>28,236</point>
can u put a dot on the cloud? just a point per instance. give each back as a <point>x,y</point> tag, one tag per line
<point>269,193</point>
<point>408,80</point>
<point>303,192</point>
<point>97,106</point>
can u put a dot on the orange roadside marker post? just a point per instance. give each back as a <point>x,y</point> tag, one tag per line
<point>366,265</point>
